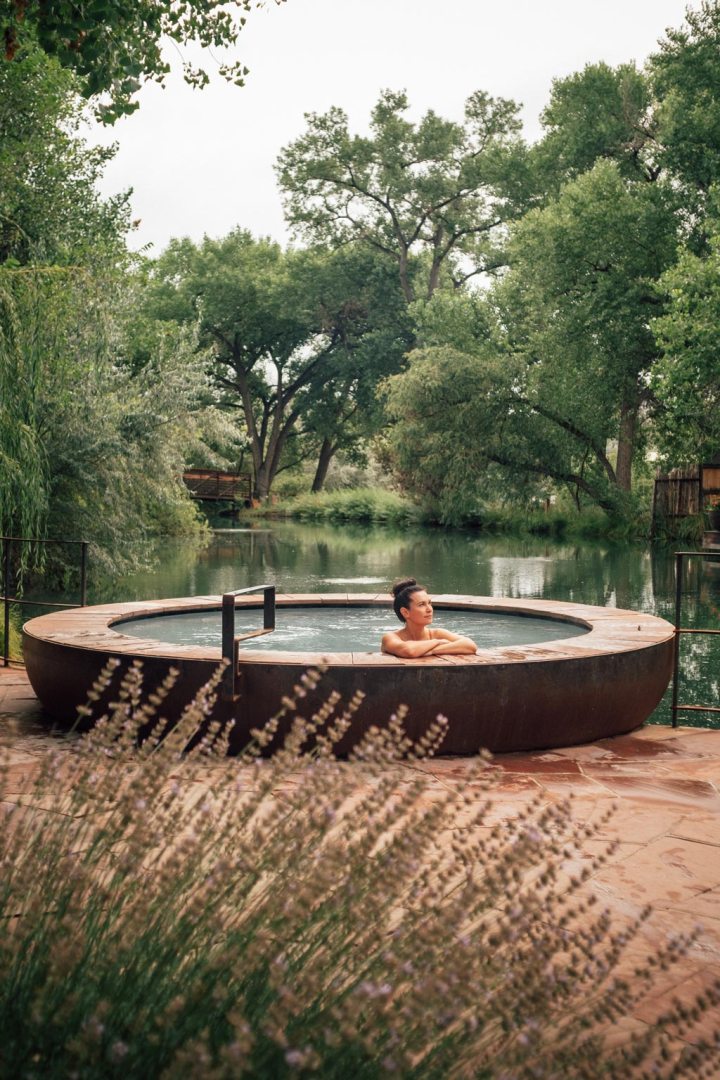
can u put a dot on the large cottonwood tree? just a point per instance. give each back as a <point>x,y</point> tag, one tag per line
<point>557,368</point>
<point>294,336</point>
<point>434,197</point>
<point>686,379</point>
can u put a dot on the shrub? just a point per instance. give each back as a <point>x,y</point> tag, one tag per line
<point>14,636</point>
<point>362,505</point>
<point>183,914</point>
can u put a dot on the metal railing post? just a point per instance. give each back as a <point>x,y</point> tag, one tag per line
<point>269,608</point>
<point>83,573</point>
<point>6,599</point>
<point>228,645</point>
<point>679,556</point>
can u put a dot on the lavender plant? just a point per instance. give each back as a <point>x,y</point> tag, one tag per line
<point>176,913</point>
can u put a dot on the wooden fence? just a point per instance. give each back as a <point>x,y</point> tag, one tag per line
<point>677,494</point>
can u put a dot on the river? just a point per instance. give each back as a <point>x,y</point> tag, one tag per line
<point>322,558</point>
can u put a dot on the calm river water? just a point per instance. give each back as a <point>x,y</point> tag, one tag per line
<point>321,558</point>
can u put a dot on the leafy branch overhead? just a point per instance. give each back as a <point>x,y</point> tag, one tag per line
<point>113,46</point>
<point>434,189</point>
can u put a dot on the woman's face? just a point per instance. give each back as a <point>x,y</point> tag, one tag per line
<point>420,610</point>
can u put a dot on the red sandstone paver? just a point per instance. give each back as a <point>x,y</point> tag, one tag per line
<point>701,828</point>
<point>667,788</point>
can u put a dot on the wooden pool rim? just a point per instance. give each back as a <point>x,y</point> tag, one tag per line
<point>520,697</point>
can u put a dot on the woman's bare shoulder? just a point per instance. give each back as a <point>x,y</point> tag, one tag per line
<point>391,639</point>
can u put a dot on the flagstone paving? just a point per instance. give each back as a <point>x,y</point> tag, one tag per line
<point>664,785</point>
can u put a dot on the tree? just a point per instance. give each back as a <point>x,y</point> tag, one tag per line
<point>50,211</point>
<point>541,389</point>
<point>23,460</point>
<point>106,427</point>
<point>253,307</point>
<point>433,197</point>
<point>581,292</point>
<point>685,77</point>
<point>599,112</point>
<point>373,331</point>
<point>686,378</point>
<point>292,336</point>
<point>112,47</point>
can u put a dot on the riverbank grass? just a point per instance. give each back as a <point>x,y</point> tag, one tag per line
<point>381,507</point>
<point>361,505</point>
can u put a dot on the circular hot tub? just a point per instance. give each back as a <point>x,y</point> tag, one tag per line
<point>569,673</point>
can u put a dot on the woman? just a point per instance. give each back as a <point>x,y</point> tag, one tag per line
<point>413,606</point>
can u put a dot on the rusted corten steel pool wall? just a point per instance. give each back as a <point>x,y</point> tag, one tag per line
<point>606,682</point>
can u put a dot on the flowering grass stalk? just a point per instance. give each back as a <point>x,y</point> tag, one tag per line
<point>176,914</point>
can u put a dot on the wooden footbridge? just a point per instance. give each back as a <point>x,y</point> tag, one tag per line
<point>210,485</point>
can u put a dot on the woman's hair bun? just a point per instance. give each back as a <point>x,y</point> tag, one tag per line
<point>402,583</point>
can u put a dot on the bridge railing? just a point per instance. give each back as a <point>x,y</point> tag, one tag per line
<point>214,485</point>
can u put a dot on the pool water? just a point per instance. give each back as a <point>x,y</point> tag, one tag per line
<point>343,629</point>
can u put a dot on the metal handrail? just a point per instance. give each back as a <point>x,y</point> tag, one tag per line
<point>7,599</point>
<point>679,556</point>
<point>230,639</point>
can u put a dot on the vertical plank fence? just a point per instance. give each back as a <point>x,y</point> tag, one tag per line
<point>676,495</point>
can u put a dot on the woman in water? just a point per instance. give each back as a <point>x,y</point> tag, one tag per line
<point>413,606</point>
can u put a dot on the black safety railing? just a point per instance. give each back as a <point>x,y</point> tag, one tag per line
<point>9,594</point>
<point>680,556</point>
<point>230,639</point>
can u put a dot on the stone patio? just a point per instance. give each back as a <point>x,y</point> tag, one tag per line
<point>664,783</point>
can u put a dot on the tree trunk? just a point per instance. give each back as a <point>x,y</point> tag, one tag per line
<point>262,483</point>
<point>626,444</point>
<point>404,268</point>
<point>327,451</point>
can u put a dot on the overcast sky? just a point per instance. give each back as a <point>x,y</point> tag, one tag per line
<point>202,161</point>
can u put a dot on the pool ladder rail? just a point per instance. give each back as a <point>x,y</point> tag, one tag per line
<point>230,639</point>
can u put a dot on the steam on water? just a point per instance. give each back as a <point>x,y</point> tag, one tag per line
<point>343,629</point>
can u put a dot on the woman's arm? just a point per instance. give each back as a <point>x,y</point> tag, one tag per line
<point>410,650</point>
<point>452,644</point>
<point>460,646</point>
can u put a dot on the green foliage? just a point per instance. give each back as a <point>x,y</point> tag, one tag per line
<point>299,339</point>
<point>186,915</point>
<point>527,387</point>
<point>685,76</point>
<point>357,298</point>
<point>534,520</point>
<point>24,488</point>
<point>113,47</point>
<point>685,530</point>
<point>420,194</point>
<point>50,211</point>
<point>597,113</point>
<point>111,436</point>
<point>686,379</point>
<point>255,309</point>
<point>354,505</point>
<point>14,637</point>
